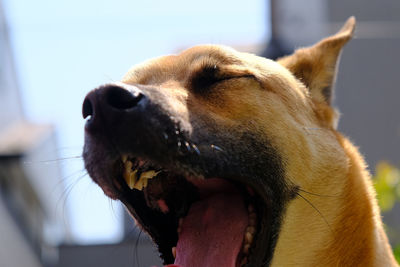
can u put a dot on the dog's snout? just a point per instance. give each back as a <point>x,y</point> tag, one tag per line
<point>122,99</point>
<point>110,100</point>
<point>87,108</point>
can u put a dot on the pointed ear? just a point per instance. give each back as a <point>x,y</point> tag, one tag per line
<point>315,66</point>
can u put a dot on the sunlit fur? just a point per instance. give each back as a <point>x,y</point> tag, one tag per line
<point>334,220</point>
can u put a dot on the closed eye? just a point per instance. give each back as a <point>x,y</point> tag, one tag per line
<point>205,78</point>
<point>209,76</point>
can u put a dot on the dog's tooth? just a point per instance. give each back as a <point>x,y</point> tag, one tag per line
<point>246,249</point>
<point>248,237</point>
<point>148,174</point>
<point>252,219</point>
<point>132,179</point>
<point>174,252</point>
<point>251,229</point>
<point>127,171</point>
<point>140,184</point>
<point>128,166</point>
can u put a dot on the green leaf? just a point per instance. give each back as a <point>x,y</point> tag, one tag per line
<point>387,185</point>
<point>396,252</point>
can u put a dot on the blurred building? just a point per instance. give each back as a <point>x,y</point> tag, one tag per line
<point>31,221</point>
<point>134,250</point>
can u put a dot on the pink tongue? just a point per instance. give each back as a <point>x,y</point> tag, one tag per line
<point>212,233</point>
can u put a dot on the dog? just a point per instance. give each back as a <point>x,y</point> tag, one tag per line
<point>229,159</point>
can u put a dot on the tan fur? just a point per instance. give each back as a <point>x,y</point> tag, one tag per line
<point>288,101</point>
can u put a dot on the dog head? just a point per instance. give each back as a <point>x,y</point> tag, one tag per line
<point>184,138</point>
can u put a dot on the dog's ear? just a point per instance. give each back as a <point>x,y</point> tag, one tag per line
<point>315,66</point>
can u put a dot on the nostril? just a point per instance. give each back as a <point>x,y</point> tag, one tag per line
<point>105,102</point>
<point>121,98</point>
<point>87,109</point>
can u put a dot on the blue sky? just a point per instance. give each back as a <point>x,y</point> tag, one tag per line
<point>63,49</point>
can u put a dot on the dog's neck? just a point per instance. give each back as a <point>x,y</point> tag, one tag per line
<point>344,226</point>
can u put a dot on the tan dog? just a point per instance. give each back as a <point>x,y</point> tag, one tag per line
<point>228,159</point>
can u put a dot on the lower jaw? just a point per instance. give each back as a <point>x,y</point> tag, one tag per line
<point>200,246</point>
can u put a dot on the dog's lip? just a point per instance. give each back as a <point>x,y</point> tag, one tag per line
<point>258,253</point>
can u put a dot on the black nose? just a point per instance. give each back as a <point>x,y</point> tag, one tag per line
<point>110,100</point>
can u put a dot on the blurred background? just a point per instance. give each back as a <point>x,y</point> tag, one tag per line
<point>53,52</point>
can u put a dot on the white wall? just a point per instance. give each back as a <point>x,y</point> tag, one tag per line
<point>14,250</point>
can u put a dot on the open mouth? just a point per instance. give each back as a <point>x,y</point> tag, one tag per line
<point>195,221</point>
<point>202,204</point>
